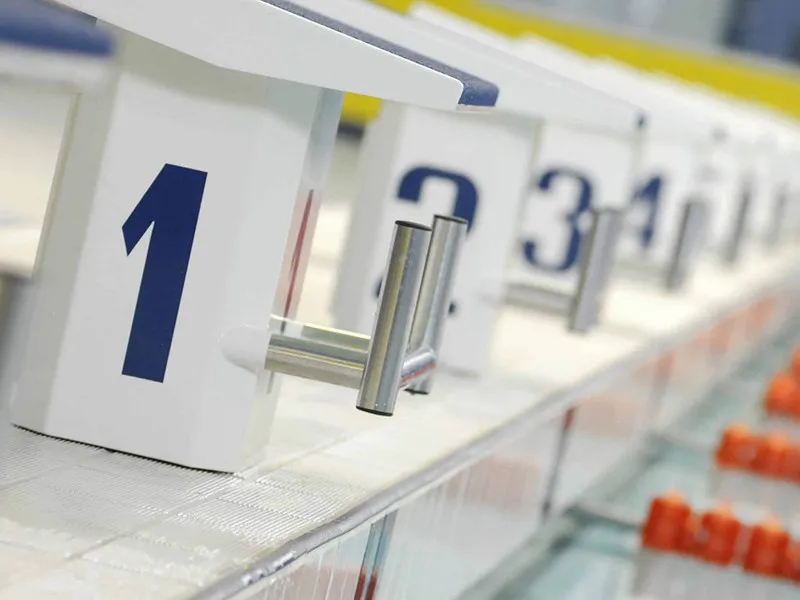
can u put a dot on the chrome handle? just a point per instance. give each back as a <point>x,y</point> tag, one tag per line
<point>393,319</point>
<point>598,253</point>
<point>733,249</point>
<point>691,237</point>
<point>407,331</point>
<point>316,360</point>
<point>597,264</point>
<point>778,223</point>
<point>436,289</point>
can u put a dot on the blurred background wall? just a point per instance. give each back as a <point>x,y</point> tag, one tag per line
<point>768,27</point>
<point>694,21</point>
<point>746,48</point>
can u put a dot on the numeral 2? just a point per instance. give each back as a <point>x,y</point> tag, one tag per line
<point>170,207</point>
<point>465,204</point>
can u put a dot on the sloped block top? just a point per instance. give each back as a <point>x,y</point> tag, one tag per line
<point>282,40</point>
<point>540,90</point>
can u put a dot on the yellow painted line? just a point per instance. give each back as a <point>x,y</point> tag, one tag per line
<point>773,87</point>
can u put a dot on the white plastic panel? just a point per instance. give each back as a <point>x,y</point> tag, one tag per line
<point>270,38</point>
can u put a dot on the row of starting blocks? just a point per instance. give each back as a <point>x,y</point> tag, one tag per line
<point>190,183</point>
<point>582,214</point>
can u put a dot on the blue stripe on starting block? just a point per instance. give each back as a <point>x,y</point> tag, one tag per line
<point>477,92</point>
<point>39,25</point>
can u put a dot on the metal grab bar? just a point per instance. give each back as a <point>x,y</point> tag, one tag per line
<point>337,365</point>
<point>597,265</point>
<point>732,251</point>
<point>430,316</point>
<point>685,250</point>
<point>597,261</point>
<point>690,240</point>
<point>407,331</point>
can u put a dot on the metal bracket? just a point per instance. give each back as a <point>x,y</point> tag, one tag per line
<point>777,227</point>
<point>407,331</point>
<point>691,237</point>
<point>598,254</point>
<point>733,249</point>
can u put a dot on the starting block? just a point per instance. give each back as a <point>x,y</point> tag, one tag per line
<point>177,240</point>
<point>668,215</point>
<point>417,162</point>
<point>734,178</point>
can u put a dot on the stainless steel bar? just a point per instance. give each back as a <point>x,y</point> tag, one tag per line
<point>328,363</point>
<point>396,305</point>
<point>778,220</point>
<point>327,335</point>
<point>597,263</point>
<point>733,248</point>
<point>691,237</point>
<point>417,367</point>
<point>436,289</point>
<point>315,360</point>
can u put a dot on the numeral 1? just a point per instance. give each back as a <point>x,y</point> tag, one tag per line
<point>170,206</point>
<point>649,194</point>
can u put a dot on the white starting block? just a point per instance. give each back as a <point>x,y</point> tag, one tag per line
<point>775,205</point>
<point>176,246</point>
<point>578,169</point>
<point>528,346</point>
<point>671,147</point>
<point>737,180</point>
<point>787,139</point>
<point>724,169</point>
<point>736,217</point>
<point>668,215</point>
<point>746,179</point>
<point>417,162</point>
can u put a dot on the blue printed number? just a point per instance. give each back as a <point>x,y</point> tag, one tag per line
<point>465,205</point>
<point>573,219</point>
<point>466,200</point>
<point>649,195</point>
<point>171,207</point>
